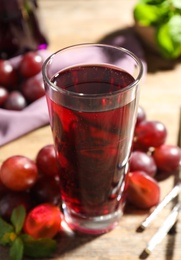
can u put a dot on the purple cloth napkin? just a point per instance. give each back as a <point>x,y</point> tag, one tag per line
<point>14,124</point>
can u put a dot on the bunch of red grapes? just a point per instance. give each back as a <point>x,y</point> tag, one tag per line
<point>151,161</point>
<point>21,82</point>
<point>32,182</point>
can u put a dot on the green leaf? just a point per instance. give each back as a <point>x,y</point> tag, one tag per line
<point>175,29</point>
<point>153,2</point>
<point>148,15</point>
<point>168,42</point>
<point>18,218</point>
<point>38,248</point>
<point>5,230</point>
<point>8,238</point>
<point>16,250</point>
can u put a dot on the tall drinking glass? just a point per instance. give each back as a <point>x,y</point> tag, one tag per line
<point>92,94</point>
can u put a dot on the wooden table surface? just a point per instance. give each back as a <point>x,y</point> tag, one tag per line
<point>69,22</point>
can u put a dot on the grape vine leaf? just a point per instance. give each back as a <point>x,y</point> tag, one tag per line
<point>38,248</point>
<point>165,17</point>
<point>16,249</point>
<point>169,37</point>
<point>18,218</point>
<point>5,232</point>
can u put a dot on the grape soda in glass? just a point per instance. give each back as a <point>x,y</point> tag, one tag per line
<point>92,93</point>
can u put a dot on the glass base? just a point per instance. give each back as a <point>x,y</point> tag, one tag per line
<point>93,225</point>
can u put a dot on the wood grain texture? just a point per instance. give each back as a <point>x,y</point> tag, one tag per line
<point>69,22</point>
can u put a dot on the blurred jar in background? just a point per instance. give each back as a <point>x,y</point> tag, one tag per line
<point>21,28</point>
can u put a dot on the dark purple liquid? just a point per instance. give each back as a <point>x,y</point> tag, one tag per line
<point>93,147</point>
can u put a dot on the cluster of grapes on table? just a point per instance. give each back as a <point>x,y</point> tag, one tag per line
<point>33,183</point>
<point>21,81</point>
<point>152,160</point>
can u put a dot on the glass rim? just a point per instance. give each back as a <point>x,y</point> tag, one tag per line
<point>65,91</point>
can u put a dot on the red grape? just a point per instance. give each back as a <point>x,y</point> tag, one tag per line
<point>8,74</point>
<point>46,160</point>
<point>140,161</point>
<point>137,146</point>
<point>167,157</point>
<point>143,190</point>
<point>30,64</point>
<point>18,173</point>
<point>23,78</point>
<point>141,115</point>
<point>43,221</point>
<point>3,95</point>
<point>46,189</point>
<point>33,89</point>
<point>3,189</point>
<point>15,101</point>
<point>150,133</point>
<point>11,200</point>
